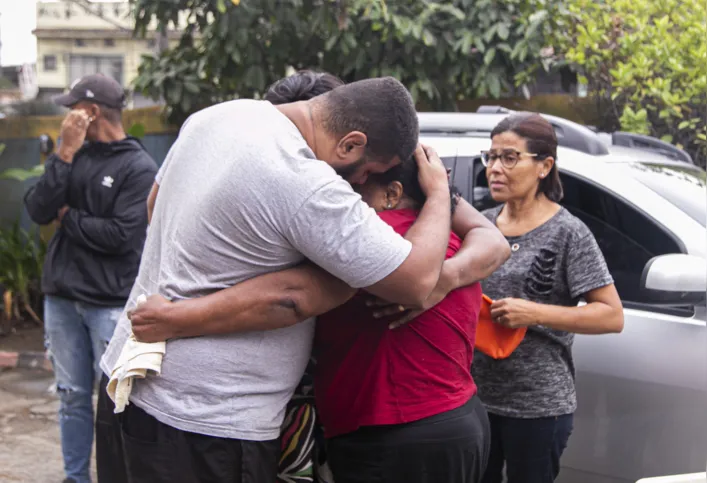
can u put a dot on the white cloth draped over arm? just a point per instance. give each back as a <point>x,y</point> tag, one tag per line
<point>137,360</point>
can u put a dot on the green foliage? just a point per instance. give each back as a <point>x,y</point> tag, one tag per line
<point>19,174</point>
<point>137,130</point>
<point>442,50</point>
<point>21,259</point>
<point>646,63</point>
<point>633,121</point>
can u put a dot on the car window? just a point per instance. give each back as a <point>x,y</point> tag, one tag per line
<point>468,175</point>
<point>462,174</point>
<point>627,237</point>
<point>681,185</point>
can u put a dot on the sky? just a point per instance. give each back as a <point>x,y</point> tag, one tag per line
<point>17,20</point>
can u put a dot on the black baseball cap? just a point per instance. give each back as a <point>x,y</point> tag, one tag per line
<point>97,88</point>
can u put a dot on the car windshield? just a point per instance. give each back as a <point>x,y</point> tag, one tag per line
<point>683,186</point>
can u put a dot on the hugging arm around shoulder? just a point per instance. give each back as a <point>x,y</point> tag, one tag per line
<point>343,235</point>
<point>349,247</point>
<point>267,302</point>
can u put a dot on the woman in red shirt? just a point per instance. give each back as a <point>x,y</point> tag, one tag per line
<point>400,405</point>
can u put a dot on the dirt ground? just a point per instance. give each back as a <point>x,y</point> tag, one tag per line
<point>30,451</point>
<point>27,337</point>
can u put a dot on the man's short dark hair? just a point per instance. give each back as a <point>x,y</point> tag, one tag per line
<point>382,109</point>
<point>111,114</point>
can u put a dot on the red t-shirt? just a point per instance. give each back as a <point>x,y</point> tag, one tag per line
<point>369,375</point>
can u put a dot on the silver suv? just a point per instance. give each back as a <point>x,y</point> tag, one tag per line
<point>641,394</point>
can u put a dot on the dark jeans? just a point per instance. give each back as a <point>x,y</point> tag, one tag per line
<point>133,447</point>
<point>530,448</point>
<point>451,447</point>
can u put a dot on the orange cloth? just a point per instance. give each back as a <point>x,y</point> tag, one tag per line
<point>493,339</point>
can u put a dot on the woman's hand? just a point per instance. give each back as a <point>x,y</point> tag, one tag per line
<point>515,313</point>
<point>447,282</point>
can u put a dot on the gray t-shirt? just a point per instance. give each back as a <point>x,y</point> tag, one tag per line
<point>556,264</point>
<point>242,195</point>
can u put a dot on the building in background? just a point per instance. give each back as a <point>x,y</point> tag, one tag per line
<point>17,83</point>
<point>77,37</point>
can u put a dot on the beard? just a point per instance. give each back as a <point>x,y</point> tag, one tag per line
<point>347,172</point>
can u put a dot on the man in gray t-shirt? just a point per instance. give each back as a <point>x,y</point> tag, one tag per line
<point>244,193</point>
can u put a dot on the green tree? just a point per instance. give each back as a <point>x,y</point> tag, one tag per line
<point>443,51</point>
<point>645,62</point>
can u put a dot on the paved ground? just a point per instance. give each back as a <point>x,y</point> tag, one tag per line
<point>29,435</point>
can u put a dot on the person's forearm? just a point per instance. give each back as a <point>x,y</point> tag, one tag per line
<point>592,318</point>
<point>48,195</point>
<point>482,252</point>
<point>267,302</point>
<point>226,312</point>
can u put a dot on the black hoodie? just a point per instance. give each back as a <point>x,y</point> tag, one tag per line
<point>95,254</point>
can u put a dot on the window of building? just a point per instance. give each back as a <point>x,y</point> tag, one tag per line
<point>49,62</point>
<point>109,42</point>
<point>151,43</point>
<point>80,43</point>
<point>82,65</point>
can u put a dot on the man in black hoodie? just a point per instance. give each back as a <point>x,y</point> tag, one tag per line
<point>94,189</point>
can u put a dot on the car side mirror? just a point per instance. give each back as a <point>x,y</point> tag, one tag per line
<point>676,279</point>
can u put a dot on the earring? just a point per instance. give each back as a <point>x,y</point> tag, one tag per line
<point>542,175</point>
<point>389,206</point>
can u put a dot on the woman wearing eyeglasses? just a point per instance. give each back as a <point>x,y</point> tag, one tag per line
<point>555,261</point>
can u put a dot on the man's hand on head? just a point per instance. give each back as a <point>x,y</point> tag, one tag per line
<point>432,174</point>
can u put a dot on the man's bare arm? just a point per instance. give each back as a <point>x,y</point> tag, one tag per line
<point>415,279</point>
<point>271,301</point>
<point>483,250</point>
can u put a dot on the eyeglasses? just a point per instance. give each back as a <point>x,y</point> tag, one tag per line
<point>509,157</point>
